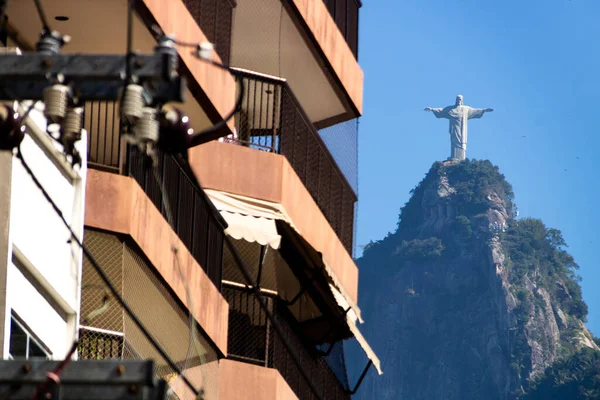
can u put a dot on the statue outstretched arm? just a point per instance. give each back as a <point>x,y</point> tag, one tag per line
<point>438,112</point>
<point>478,112</point>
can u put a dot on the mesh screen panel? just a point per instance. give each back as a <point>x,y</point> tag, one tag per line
<point>155,305</point>
<point>190,210</point>
<point>326,162</point>
<point>214,17</point>
<point>345,15</point>
<point>342,142</point>
<point>253,339</point>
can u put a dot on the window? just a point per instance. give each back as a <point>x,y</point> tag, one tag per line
<point>23,343</point>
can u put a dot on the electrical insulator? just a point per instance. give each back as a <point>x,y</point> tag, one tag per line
<point>133,103</point>
<point>146,130</point>
<point>51,42</point>
<point>205,51</point>
<point>56,99</point>
<point>71,133</point>
<point>73,122</point>
<point>166,46</point>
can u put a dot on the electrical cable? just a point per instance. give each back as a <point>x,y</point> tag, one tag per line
<point>205,135</point>
<point>192,323</point>
<point>104,277</point>
<point>42,15</point>
<point>129,43</point>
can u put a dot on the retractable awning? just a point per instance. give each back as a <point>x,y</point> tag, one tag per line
<point>265,223</point>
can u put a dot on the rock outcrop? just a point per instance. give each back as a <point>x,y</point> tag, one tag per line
<point>464,301</point>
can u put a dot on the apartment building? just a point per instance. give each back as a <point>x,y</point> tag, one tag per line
<point>280,184</point>
<point>40,267</point>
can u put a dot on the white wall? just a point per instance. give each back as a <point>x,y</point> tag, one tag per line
<point>43,283</point>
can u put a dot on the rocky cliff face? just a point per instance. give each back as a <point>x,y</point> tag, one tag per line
<point>464,301</point>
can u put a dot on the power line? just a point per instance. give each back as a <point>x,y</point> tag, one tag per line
<point>104,277</point>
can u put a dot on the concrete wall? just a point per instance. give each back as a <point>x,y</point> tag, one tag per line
<point>268,176</point>
<point>241,381</point>
<point>118,204</point>
<point>42,266</point>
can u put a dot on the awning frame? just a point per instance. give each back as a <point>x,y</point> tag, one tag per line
<point>321,277</point>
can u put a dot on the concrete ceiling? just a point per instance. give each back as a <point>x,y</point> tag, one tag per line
<point>97,27</point>
<point>266,40</point>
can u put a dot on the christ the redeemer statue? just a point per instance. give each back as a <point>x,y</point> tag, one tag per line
<point>458,115</point>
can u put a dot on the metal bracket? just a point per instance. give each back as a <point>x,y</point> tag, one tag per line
<point>93,77</point>
<point>362,376</point>
<point>88,379</point>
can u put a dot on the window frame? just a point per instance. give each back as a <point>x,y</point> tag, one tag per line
<point>30,335</point>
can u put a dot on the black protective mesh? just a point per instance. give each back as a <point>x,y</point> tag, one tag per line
<point>345,13</point>
<point>201,234</point>
<point>317,168</point>
<point>112,334</point>
<point>253,339</point>
<point>214,17</point>
<point>272,120</point>
<point>342,142</point>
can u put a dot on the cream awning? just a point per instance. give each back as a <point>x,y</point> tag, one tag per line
<point>253,220</point>
<point>249,219</point>
<point>351,319</point>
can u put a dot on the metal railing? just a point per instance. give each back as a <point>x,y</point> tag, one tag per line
<point>99,344</point>
<point>215,18</point>
<point>104,142</point>
<point>272,119</point>
<point>190,211</point>
<point>345,14</point>
<point>251,339</point>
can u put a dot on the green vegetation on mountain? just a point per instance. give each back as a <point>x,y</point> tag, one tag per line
<point>573,378</point>
<point>458,243</point>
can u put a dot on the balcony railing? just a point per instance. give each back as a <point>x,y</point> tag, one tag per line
<point>98,344</point>
<point>273,120</point>
<point>251,339</point>
<point>190,210</point>
<point>215,18</point>
<point>345,14</point>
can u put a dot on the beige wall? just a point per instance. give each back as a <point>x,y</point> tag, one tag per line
<point>241,381</point>
<point>333,45</point>
<point>117,203</point>
<point>268,176</point>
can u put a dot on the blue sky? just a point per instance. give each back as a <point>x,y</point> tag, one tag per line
<point>536,62</point>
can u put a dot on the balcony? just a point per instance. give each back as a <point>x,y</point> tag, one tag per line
<point>345,15</point>
<point>299,40</point>
<point>107,332</point>
<point>189,208</point>
<point>273,120</point>
<point>252,340</point>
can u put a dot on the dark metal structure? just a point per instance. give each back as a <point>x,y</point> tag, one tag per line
<point>252,340</point>
<point>192,213</point>
<point>345,14</point>
<point>215,18</point>
<point>106,379</point>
